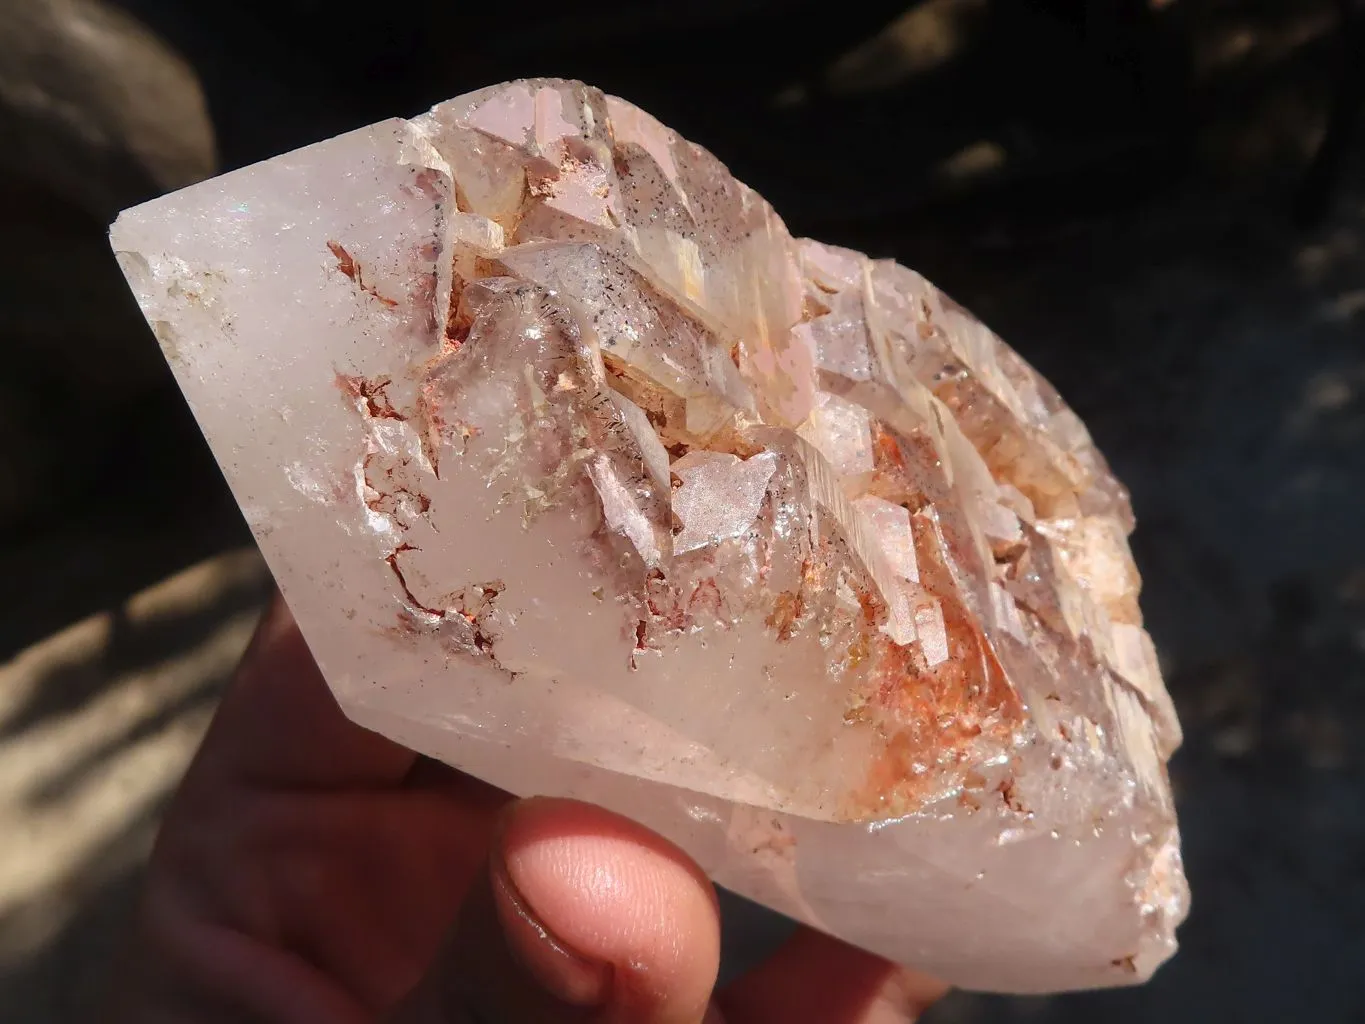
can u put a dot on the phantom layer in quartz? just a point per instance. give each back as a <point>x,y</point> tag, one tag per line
<point>583,475</point>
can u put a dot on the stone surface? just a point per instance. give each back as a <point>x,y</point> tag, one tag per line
<point>96,106</point>
<point>582,475</point>
<point>96,112</point>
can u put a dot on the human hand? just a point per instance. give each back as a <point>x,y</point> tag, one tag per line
<point>311,872</point>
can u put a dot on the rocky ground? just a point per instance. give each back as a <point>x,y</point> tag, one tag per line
<point>1215,343</point>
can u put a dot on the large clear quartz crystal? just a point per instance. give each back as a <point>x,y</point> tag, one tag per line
<point>584,476</point>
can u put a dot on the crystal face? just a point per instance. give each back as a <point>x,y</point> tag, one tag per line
<point>584,476</point>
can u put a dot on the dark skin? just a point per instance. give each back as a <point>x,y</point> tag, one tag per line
<point>312,872</point>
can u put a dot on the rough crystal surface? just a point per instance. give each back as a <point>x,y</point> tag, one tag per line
<point>583,475</point>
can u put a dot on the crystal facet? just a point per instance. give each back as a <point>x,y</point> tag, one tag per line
<point>582,475</point>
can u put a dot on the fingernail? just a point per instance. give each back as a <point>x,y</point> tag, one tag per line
<point>562,972</point>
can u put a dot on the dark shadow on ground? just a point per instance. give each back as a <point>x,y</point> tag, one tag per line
<point>65,977</point>
<point>68,980</point>
<point>67,688</point>
<point>155,504</point>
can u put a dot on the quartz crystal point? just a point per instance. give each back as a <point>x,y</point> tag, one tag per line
<point>583,475</point>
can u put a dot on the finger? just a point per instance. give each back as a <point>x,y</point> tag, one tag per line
<point>816,977</point>
<point>582,916</point>
<point>282,772</point>
<point>279,726</point>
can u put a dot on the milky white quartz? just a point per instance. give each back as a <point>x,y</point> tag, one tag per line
<point>584,476</point>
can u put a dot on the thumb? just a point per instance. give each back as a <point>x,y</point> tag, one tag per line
<point>581,916</point>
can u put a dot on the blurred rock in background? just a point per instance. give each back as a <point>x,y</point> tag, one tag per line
<point>96,113</point>
<point>96,107</point>
<point>1161,204</point>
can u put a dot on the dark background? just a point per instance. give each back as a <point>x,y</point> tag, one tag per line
<point>1161,205</point>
